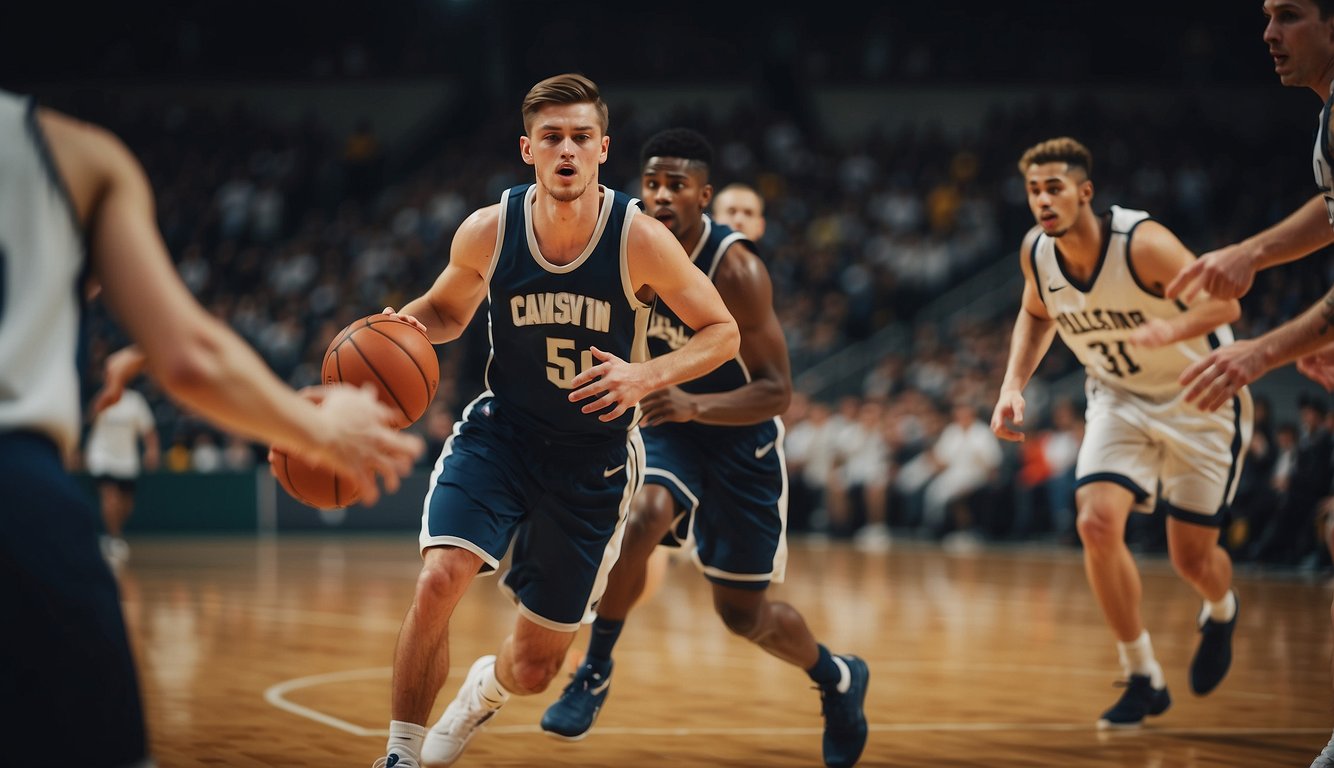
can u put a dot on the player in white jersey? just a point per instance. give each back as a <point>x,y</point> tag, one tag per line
<point>112,457</point>
<point>73,200</point>
<point>1300,37</point>
<point>1097,280</point>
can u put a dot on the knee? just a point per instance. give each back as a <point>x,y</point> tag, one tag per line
<point>651,515</point>
<point>533,675</point>
<point>443,579</point>
<point>741,620</point>
<point>1099,528</point>
<point>1191,564</point>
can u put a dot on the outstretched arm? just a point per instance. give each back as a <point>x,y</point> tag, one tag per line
<point>198,360</point>
<point>1216,378</point>
<point>1157,255</point>
<point>1228,272</point>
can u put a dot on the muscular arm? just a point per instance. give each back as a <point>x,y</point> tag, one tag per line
<point>1157,256</point>
<point>1228,272</point>
<point>197,359</point>
<point>1033,332</point>
<point>744,284</point>
<point>658,262</point>
<point>449,304</point>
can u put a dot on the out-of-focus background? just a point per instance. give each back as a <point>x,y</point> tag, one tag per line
<point>312,161</point>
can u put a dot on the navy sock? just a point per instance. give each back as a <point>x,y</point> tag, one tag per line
<point>603,638</point>
<point>825,672</point>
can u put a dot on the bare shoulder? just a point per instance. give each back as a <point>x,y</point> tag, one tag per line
<point>741,265</point>
<point>647,233</point>
<point>480,230</point>
<point>1026,248</point>
<point>1152,235</point>
<point>88,156</point>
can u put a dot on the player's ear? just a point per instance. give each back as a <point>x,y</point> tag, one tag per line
<point>606,142</point>
<point>526,150</point>
<point>1086,190</point>
<point>705,195</point>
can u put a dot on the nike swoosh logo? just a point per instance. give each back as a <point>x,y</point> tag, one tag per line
<point>598,690</point>
<point>613,470</point>
<point>1055,288</point>
<point>763,450</point>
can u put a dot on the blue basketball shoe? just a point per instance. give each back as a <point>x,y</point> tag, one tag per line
<point>572,715</point>
<point>844,718</point>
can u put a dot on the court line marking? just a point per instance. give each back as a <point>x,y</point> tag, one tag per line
<point>276,695</point>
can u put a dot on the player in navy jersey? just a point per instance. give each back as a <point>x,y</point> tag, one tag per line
<point>75,205</point>
<point>1300,37</point>
<point>714,467</point>
<point>1098,281</point>
<point>549,456</point>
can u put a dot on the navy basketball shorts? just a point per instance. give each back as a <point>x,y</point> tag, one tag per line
<point>730,487</point>
<point>66,646</point>
<point>564,507</point>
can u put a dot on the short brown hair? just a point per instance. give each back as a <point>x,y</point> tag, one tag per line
<point>1060,150</point>
<point>569,88</point>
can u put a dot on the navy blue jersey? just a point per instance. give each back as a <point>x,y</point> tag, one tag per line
<point>666,332</point>
<point>545,317</point>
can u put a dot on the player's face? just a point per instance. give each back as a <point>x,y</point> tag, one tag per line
<point>1056,195</point>
<point>673,194</point>
<point>565,145</point>
<point>1300,42</point>
<point>740,209</point>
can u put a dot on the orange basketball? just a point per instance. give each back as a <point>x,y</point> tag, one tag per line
<point>394,356</point>
<point>311,485</point>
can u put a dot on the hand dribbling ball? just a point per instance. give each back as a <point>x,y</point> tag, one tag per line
<point>391,354</point>
<point>312,485</point>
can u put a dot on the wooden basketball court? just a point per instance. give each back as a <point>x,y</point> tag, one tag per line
<point>276,652</point>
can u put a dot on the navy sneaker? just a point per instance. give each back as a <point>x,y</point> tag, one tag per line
<point>1214,655</point>
<point>572,715</point>
<point>844,718</point>
<point>1139,701</point>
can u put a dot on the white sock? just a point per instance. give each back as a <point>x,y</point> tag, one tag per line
<point>405,738</point>
<point>1137,659</point>
<point>1220,611</point>
<point>492,692</point>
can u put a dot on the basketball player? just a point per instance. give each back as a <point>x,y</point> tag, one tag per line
<point>1300,37</point>
<point>714,467</point>
<point>1097,280</point>
<point>550,454</point>
<point>72,197</point>
<point>740,207</point>
<point>112,456</point>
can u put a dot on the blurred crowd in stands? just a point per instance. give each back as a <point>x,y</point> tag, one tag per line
<point>289,233</point>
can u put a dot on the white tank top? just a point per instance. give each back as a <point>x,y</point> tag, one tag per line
<point>41,262</point>
<point>1096,318</point>
<point>1321,163</point>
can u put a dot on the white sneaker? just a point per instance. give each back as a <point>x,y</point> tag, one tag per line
<point>395,760</point>
<point>1326,757</point>
<point>462,719</point>
<point>116,551</point>
<point>872,538</point>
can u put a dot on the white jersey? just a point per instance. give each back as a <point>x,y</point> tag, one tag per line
<point>41,261</point>
<point>113,441</point>
<point>1321,162</point>
<point>1095,318</point>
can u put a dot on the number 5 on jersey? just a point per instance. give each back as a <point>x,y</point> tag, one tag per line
<point>560,362</point>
